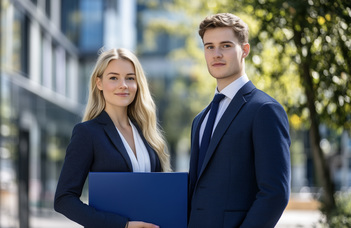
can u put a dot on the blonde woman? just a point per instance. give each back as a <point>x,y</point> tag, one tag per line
<point>119,133</point>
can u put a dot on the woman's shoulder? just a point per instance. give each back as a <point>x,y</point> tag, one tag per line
<point>102,118</point>
<point>87,126</point>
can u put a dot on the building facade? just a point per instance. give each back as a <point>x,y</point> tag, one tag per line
<point>47,49</point>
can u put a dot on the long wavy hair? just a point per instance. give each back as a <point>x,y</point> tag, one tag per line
<point>142,109</point>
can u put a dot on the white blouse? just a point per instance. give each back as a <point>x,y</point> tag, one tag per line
<point>141,162</point>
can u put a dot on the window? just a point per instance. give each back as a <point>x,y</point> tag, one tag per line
<point>91,31</point>
<point>18,41</point>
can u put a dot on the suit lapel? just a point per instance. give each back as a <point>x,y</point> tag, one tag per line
<point>112,133</point>
<point>152,154</point>
<point>196,130</point>
<point>195,145</point>
<point>229,115</point>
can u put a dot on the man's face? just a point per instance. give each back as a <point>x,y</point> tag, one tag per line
<point>224,55</point>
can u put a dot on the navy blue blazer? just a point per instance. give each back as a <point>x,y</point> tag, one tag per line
<point>245,177</point>
<point>95,146</point>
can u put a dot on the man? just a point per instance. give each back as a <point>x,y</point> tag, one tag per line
<point>242,178</point>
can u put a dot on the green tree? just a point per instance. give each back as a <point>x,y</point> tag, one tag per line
<point>319,34</point>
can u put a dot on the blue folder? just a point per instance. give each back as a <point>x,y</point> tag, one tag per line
<point>158,198</point>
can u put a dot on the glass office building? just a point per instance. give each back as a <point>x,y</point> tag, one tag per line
<point>47,51</point>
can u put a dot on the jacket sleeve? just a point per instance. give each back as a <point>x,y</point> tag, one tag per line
<point>77,163</point>
<point>272,166</point>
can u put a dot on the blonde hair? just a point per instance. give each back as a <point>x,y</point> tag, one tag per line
<point>142,109</point>
<point>240,28</point>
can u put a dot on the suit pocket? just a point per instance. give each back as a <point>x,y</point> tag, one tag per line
<point>233,219</point>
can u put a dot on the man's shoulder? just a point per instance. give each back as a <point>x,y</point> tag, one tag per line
<point>263,97</point>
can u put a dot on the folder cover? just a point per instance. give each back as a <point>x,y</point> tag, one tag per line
<point>158,198</point>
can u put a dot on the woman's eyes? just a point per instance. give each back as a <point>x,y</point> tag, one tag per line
<point>131,78</point>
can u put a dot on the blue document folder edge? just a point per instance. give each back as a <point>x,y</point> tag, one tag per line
<point>158,198</point>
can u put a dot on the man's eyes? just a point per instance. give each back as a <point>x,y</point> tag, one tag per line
<point>222,46</point>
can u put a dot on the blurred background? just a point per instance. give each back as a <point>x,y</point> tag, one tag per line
<point>300,54</point>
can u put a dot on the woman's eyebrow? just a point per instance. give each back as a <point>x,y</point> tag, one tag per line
<point>114,73</point>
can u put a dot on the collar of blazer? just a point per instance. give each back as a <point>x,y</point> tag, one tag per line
<point>239,100</point>
<point>112,133</point>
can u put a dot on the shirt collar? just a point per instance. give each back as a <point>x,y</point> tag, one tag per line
<point>231,89</point>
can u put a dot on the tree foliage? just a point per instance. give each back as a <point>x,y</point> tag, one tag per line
<point>315,36</point>
<point>318,32</point>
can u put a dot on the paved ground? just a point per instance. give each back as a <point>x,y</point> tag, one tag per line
<point>289,219</point>
<point>299,219</point>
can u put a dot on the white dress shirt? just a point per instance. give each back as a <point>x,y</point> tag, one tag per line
<point>141,162</point>
<point>229,91</point>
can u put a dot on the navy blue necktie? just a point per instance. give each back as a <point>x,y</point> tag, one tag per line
<point>206,137</point>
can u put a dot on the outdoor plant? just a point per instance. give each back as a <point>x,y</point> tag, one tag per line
<point>341,215</point>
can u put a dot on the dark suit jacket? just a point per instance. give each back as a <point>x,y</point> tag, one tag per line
<point>95,146</point>
<point>245,178</point>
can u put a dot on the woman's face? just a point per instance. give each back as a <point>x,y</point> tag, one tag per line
<point>118,84</point>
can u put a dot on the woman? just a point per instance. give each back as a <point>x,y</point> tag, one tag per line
<point>119,133</point>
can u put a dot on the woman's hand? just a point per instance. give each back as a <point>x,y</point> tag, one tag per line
<point>141,225</point>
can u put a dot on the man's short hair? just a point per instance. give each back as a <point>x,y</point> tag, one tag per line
<point>240,28</point>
